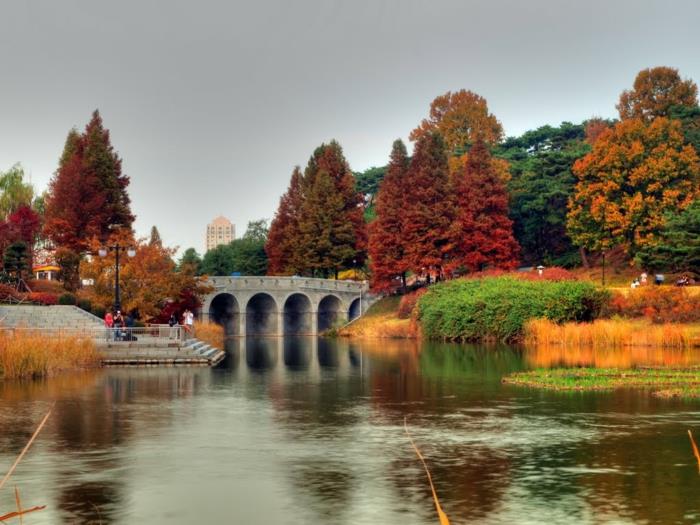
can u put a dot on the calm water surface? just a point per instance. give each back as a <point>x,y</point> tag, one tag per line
<point>311,431</point>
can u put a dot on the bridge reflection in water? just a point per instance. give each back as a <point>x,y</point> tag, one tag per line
<point>274,354</point>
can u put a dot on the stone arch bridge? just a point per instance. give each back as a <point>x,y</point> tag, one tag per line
<point>262,306</point>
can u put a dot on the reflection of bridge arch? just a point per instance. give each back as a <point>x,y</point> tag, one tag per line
<point>261,315</point>
<point>224,310</point>
<point>298,315</point>
<point>330,312</point>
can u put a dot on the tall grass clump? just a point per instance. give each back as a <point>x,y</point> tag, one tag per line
<point>30,354</point>
<point>605,333</point>
<point>210,333</point>
<point>497,308</point>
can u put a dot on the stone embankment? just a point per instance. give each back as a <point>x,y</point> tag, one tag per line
<point>149,346</point>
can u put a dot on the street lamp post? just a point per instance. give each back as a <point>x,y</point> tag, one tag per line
<point>102,252</point>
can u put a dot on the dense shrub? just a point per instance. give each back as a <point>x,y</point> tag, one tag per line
<point>84,304</point>
<point>498,307</point>
<point>659,304</point>
<point>408,303</point>
<point>43,285</point>
<point>98,311</point>
<point>67,298</point>
<point>44,298</point>
<point>553,273</point>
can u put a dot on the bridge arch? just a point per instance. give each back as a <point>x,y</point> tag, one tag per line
<point>224,310</point>
<point>298,315</point>
<point>261,315</point>
<point>355,309</point>
<point>330,312</point>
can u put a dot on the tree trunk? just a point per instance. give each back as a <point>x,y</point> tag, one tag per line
<point>584,257</point>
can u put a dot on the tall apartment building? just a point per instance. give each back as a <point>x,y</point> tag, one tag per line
<point>220,231</point>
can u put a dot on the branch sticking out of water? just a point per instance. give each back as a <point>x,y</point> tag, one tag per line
<point>441,514</point>
<point>695,449</point>
<point>26,447</point>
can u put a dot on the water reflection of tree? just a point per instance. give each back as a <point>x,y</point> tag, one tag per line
<point>95,414</point>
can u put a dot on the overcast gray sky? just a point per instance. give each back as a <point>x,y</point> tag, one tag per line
<point>211,103</point>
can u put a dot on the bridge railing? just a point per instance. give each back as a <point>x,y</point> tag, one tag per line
<point>145,334</point>
<point>286,282</point>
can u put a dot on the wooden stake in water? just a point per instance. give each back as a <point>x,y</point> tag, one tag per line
<point>695,449</point>
<point>441,514</point>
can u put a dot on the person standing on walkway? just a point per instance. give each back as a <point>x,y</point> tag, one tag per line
<point>188,321</point>
<point>109,324</point>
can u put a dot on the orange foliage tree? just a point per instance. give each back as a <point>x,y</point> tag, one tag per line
<point>482,232</point>
<point>460,117</point>
<point>147,281</point>
<point>654,92</point>
<point>386,243</point>
<point>428,209</point>
<point>635,173</point>
<point>284,235</point>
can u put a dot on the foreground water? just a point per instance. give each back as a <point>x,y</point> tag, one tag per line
<point>311,431</point>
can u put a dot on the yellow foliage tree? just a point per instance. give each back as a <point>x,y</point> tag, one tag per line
<point>634,175</point>
<point>460,117</point>
<point>147,281</point>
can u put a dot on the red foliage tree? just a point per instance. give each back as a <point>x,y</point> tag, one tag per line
<point>88,192</point>
<point>284,235</point>
<point>482,233</point>
<point>386,242</point>
<point>23,225</point>
<point>428,208</point>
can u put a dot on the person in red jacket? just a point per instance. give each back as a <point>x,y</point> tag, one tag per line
<point>109,324</point>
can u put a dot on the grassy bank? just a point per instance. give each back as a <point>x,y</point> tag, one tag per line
<point>381,321</point>
<point>497,308</point>
<point>210,333</point>
<point>28,354</point>
<point>612,333</point>
<point>663,382</point>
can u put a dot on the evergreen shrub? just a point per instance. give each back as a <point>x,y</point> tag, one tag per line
<point>67,298</point>
<point>497,308</point>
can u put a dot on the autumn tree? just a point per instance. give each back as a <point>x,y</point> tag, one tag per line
<point>460,117</point>
<point>155,236</point>
<point>148,281</point>
<point>482,233</point>
<point>428,208</point>
<point>284,236</point>
<point>654,92</point>
<point>87,194</point>
<point>634,175</point>
<point>386,242</point>
<point>327,231</point>
<point>331,226</point>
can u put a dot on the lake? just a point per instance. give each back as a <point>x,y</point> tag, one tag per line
<point>299,431</point>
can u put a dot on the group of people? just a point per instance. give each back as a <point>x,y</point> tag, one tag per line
<point>118,326</point>
<point>659,279</point>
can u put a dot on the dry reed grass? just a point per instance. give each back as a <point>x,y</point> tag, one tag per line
<point>32,354</point>
<point>552,356</point>
<point>611,333</point>
<point>210,333</point>
<point>381,326</point>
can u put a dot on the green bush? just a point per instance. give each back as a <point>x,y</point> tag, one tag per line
<point>99,311</point>
<point>85,304</point>
<point>496,308</point>
<point>67,298</point>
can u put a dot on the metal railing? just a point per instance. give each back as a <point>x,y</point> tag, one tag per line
<point>150,333</point>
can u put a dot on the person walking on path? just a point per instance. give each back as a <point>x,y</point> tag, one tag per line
<point>188,321</point>
<point>109,324</point>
